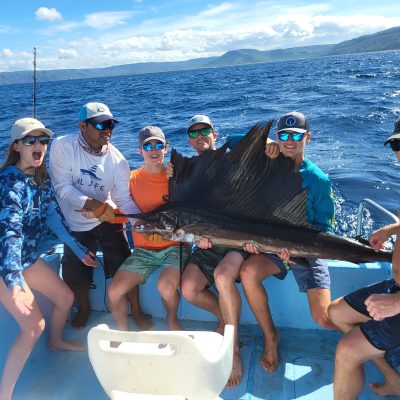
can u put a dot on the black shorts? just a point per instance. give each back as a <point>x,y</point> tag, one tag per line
<point>112,242</point>
<point>207,260</point>
<point>383,335</point>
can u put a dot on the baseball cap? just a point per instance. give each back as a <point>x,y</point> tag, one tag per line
<point>396,132</point>
<point>199,119</point>
<point>294,122</point>
<point>96,112</point>
<point>151,133</point>
<point>25,126</point>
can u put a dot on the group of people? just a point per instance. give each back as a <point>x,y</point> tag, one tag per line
<point>90,184</point>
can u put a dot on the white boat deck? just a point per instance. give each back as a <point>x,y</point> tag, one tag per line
<point>306,352</point>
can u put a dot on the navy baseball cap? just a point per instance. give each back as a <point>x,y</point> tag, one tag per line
<point>293,122</point>
<point>396,132</point>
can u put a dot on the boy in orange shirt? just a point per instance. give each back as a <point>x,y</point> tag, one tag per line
<point>148,187</point>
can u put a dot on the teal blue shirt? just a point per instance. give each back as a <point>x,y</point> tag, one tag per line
<point>320,207</point>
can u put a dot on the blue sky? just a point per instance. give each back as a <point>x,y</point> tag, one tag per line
<point>88,33</point>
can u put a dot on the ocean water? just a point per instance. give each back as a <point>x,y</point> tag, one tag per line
<point>352,102</point>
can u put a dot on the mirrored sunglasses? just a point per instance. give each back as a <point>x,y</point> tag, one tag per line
<point>150,146</point>
<point>395,145</point>
<point>203,132</point>
<point>101,126</point>
<point>29,140</point>
<point>296,136</point>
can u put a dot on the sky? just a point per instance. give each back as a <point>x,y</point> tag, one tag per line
<point>91,34</point>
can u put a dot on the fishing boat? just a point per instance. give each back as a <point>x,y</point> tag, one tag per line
<point>306,351</point>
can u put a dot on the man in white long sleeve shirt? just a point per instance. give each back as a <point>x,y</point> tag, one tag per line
<point>88,172</point>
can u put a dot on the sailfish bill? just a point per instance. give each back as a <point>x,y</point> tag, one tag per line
<point>242,196</point>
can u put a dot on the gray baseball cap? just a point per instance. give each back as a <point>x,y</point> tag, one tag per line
<point>293,122</point>
<point>151,133</point>
<point>199,119</point>
<point>396,132</point>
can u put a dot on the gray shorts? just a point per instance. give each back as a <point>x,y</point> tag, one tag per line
<point>310,273</point>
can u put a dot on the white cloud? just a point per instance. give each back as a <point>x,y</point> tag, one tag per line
<point>7,53</point>
<point>48,14</point>
<point>105,20</point>
<point>67,54</point>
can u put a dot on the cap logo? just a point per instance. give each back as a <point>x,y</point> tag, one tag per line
<point>101,109</point>
<point>290,121</point>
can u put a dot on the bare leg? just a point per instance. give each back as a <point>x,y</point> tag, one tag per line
<point>254,270</point>
<point>121,284</point>
<point>352,351</point>
<point>168,283</point>
<point>31,326</point>
<point>391,385</point>
<point>319,300</point>
<point>84,309</point>
<point>142,320</point>
<point>194,289</point>
<point>230,304</point>
<point>43,278</point>
<point>346,319</point>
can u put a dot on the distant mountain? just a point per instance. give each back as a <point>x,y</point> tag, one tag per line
<point>380,41</point>
<point>388,39</point>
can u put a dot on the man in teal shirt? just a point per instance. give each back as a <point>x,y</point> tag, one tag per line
<point>312,275</point>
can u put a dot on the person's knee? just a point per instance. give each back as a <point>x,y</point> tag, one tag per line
<point>223,280</point>
<point>190,290</point>
<point>114,294</point>
<point>166,288</point>
<point>34,331</point>
<point>346,352</point>
<point>248,274</point>
<point>65,299</point>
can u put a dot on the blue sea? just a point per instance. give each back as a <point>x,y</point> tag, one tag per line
<point>352,102</point>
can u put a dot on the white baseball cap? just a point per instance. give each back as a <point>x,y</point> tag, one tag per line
<point>25,126</point>
<point>97,112</point>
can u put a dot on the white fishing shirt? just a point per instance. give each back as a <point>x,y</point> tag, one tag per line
<point>77,175</point>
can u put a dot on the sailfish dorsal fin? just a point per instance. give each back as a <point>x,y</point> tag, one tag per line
<point>243,183</point>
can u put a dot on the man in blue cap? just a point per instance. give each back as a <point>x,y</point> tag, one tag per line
<point>88,172</point>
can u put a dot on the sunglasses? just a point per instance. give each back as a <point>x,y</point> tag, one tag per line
<point>395,145</point>
<point>29,140</point>
<point>101,126</point>
<point>296,136</point>
<point>203,132</point>
<point>150,146</point>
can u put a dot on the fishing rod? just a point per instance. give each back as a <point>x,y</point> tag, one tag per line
<point>34,82</point>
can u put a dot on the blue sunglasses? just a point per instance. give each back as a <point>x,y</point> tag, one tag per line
<point>101,126</point>
<point>150,146</point>
<point>296,136</point>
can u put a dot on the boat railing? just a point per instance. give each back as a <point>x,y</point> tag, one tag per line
<point>377,207</point>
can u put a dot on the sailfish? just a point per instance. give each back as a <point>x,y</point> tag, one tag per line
<point>239,196</point>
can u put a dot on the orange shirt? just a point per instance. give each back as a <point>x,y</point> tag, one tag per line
<point>148,192</point>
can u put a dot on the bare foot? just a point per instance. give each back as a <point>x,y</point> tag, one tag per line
<point>270,359</point>
<point>143,321</point>
<point>174,325</point>
<point>66,346</point>
<point>386,388</point>
<point>237,371</point>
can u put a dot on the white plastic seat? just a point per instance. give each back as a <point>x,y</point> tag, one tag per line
<point>192,365</point>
